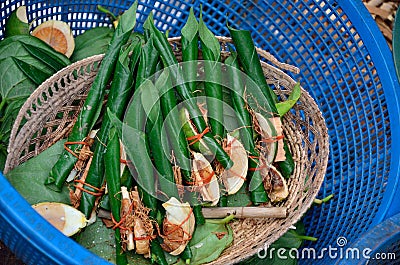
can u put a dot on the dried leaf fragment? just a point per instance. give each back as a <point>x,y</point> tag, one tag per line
<point>126,216</point>
<point>142,225</point>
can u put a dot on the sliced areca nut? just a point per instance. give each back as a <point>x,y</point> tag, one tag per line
<point>205,179</point>
<point>57,34</point>
<point>210,192</point>
<point>65,218</point>
<point>272,138</point>
<point>178,226</point>
<point>234,177</point>
<point>280,154</point>
<point>275,184</point>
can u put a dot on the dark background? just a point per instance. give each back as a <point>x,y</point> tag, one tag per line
<point>7,257</point>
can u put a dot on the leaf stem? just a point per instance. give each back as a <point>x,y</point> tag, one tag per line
<point>2,104</point>
<point>324,200</point>
<point>107,12</point>
<point>309,238</point>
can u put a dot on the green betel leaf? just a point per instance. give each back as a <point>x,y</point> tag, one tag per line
<point>100,240</point>
<point>25,62</point>
<point>95,41</point>
<point>28,177</point>
<point>91,36</point>
<point>149,22</point>
<point>150,100</point>
<point>33,73</point>
<point>287,246</point>
<point>271,258</point>
<point>14,46</point>
<point>91,42</point>
<point>135,145</point>
<point>52,60</point>
<point>209,42</point>
<point>239,199</point>
<point>300,228</point>
<point>116,123</point>
<point>189,31</point>
<point>163,82</point>
<point>190,50</point>
<point>208,242</point>
<point>14,83</point>
<point>251,64</point>
<point>285,106</point>
<point>289,240</point>
<point>128,19</point>
<point>7,121</point>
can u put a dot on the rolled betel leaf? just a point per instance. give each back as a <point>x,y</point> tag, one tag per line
<point>93,103</point>
<point>158,143</point>
<point>113,178</point>
<point>211,51</point>
<point>247,133</point>
<point>190,49</point>
<point>118,97</point>
<point>169,60</point>
<point>136,145</point>
<point>251,64</point>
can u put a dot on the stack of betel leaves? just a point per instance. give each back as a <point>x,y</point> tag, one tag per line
<point>168,137</point>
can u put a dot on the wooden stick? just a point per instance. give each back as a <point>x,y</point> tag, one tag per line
<point>245,212</point>
<point>239,212</point>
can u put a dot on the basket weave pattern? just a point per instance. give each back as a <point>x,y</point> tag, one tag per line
<point>50,112</point>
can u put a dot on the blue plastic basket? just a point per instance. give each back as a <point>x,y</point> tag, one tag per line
<point>345,65</point>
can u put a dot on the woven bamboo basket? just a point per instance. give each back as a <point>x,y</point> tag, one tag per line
<point>50,112</point>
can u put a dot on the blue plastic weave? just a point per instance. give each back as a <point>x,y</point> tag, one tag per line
<point>345,65</point>
<point>381,245</point>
